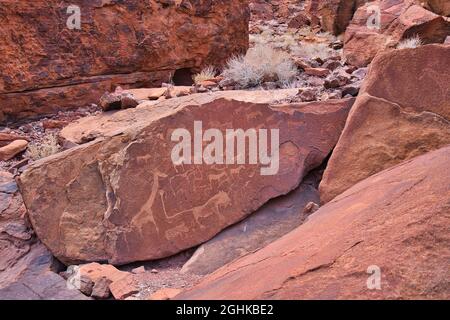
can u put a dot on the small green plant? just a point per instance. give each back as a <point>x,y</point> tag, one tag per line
<point>410,43</point>
<point>45,148</point>
<point>261,64</point>
<point>206,74</point>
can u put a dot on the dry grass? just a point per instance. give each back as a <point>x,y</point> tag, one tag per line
<point>206,74</point>
<point>314,50</point>
<point>47,147</point>
<point>261,64</point>
<point>410,43</point>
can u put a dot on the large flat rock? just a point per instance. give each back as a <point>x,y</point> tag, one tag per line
<point>122,199</point>
<point>394,224</point>
<point>111,123</point>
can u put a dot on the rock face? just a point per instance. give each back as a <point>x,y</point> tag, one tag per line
<point>122,199</point>
<point>334,15</point>
<point>135,43</point>
<point>104,125</point>
<point>403,110</point>
<point>26,266</point>
<point>16,236</point>
<point>379,224</point>
<point>399,20</point>
<point>272,221</point>
<point>441,7</point>
<point>36,279</point>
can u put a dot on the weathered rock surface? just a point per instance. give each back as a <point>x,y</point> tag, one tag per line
<point>334,15</point>
<point>46,66</point>
<point>121,198</point>
<point>441,7</point>
<point>11,150</point>
<point>269,223</point>
<point>37,280</point>
<point>403,110</point>
<point>399,20</point>
<point>380,222</point>
<point>26,266</point>
<point>109,124</point>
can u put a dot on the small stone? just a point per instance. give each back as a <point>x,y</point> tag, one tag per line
<point>165,294</point>
<point>154,271</point>
<point>301,64</point>
<point>351,89</point>
<point>332,65</point>
<point>101,288</point>
<point>138,270</point>
<point>337,79</point>
<point>310,208</point>
<point>123,288</point>
<point>318,72</point>
<point>11,150</point>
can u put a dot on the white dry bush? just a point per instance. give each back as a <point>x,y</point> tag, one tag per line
<point>45,148</point>
<point>410,43</point>
<point>206,74</point>
<point>261,64</point>
<point>313,50</point>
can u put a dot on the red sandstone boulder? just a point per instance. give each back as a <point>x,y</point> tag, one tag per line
<point>399,20</point>
<point>47,66</point>
<point>122,198</point>
<point>403,110</point>
<point>334,15</point>
<point>103,125</point>
<point>391,227</point>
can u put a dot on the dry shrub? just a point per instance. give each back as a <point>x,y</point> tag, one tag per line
<point>45,148</point>
<point>261,64</point>
<point>206,74</point>
<point>410,43</point>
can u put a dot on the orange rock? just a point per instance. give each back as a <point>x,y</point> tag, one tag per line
<point>136,48</point>
<point>7,138</point>
<point>165,294</point>
<point>396,117</point>
<point>88,128</point>
<point>124,288</point>
<point>136,205</point>
<point>207,84</point>
<point>400,19</point>
<point>334,15</point>
<point>391,227</point>
<point>95,271</point>
<point>11,150</point>
<point>318,72</point>
<point>147,93</point>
